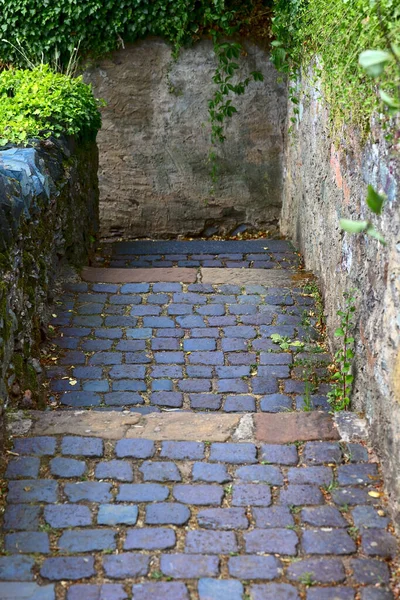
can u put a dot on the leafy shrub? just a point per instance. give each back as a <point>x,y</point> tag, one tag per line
<point>40,103</point>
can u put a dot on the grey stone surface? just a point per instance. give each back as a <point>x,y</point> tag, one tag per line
<point>166,179</point>
<point>323,182</point>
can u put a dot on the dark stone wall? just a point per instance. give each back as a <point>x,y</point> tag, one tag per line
<point>326,179</point>
<point>48,216</point>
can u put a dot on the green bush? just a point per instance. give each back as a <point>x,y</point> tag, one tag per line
<point>336,32</point>
<point>48,31</point>
<point>40,103</point>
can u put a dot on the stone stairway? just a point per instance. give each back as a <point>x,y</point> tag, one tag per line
<point>185,454</point>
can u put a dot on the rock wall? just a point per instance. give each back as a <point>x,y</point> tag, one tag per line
<point>48,216</point>
<point>154,143</point>
<point>323,182</point>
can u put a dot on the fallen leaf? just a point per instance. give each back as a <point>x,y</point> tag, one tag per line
<point>374,494</point>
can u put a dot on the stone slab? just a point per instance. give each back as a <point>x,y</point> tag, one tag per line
<point>175,274</point>
<point>183,426</point>
<point>283,428</point>
<point>351,426</point>
<point>201,247</point>
<point>107,425</point>
<point>265,277</point>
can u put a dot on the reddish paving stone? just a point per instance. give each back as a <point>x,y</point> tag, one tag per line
<point>283,428</point>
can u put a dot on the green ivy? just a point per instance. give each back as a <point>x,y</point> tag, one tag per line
<point>40,103</point>
<point>333,34</point>
<point>48,31</point>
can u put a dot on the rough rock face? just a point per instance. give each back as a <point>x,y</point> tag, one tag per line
<point>48,215</point>
<point>323,184</point>
<point>154,143</point>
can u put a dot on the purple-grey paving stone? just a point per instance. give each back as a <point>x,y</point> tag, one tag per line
<point>297,495</point>
<point>58,568</point>
<point>27,542</point>
<point>275,403</point>
<point>233,453</point>
<point>205,401</point>
<point>21,517</point>
<point>128,385</point>
<point>281,455</point>
<point>105,591</point>
<point>61,516</point>
<point>373,593</point>
<point>164,344</point>
<point>217,589</point>
<point>32,490</point>
<point>157,299</point>
<point>80,399</point>
<point>127,372</point>
<point>160,471</point>
<point>241,358</point>
<point>161,385</point>
<point>211,473</point>
<point>74,357</point>
<point>292,386</point>
<point>142,492</point>
<point>107,333</point>
<point>113,514</point>
<point>40,446</point>
<point>255,567</point>
<point>141,333</point>
<point>274,591</point>
<point>122,399</point>
<point>275,358</point>
<point>23,467</point>
<point>135,288</point>
<point>366,517</point>
<point>271,541</point>
<point>357,474</point>
<point>214,310</point>
<point>211,542</point>
<point>251,494</point>
<point>171,399</point>
<point>194,385</point>
<point>96,386</point>
<point>332,593</point>
<point>199,371</point>
<point>313,475</point>
<point>357,453</point>
<point>150,538</point>
<point>279,371</point>
<point>169,358</point>
<point>206,358</point>
<point>322,452</point>
<point>273,517</point>
<point>233,344</point>
<point>88,540</point>
<point>167,371</point>
<point>223,518</point>
<point>240,404</point>
<point>26,591</point>
<point>204,288</point>
<point>92,491</point>
<point>167,513</point>
<point>199,495</point>
<point>186,566</point>
<point>264,385</point>
<point>106,358</point>
<point>88,372</point>
<point>323,516</point>
<point>242,309</point>
<point>135,448</point>
<point>125,565</point>
<point>138,357</point>
<point>317,403</point>
<point>160,591</point>
<point>352,496</point>
<point>256,473</point>
<point>182,450</point>
<point>121,470</point>
<point>167,287</point>
<point>336,541</point>
<point>376,542</point>
<point>16,568</point>
<point>205,332</point>
<point>82,446</point>
<point>320,570</point>
<point>368,570</point>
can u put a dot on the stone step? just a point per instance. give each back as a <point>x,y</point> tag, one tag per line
<point>151,247</point>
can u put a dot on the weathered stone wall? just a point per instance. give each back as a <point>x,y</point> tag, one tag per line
<point>154,143</point>
<point>48,215</point>
<point>324,182</point>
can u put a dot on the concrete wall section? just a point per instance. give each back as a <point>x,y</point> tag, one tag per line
<point>155,139</point>
<point>324,182</point>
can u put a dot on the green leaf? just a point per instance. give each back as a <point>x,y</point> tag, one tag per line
<point>353,226</point>
<point>339,332</point>
<point>3,141</point>
<point>372,232</point>
<point>374,200</point>
<point>374,61</point>
<point>389,100</point>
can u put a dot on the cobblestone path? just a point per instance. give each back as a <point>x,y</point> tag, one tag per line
<point>185,454</point>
